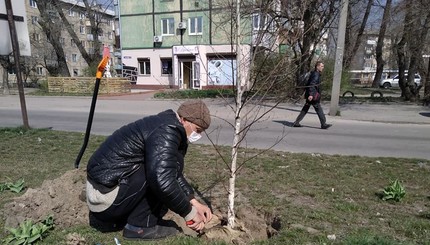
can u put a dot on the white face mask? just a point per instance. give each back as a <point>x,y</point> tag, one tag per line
<point>194,136</point>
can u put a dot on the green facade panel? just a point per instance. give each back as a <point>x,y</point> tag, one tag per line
<point>135,6</point>
<point>166,5</point>
<point>196,5</point>
<point>140,22</point>
<point>199,39</point>
<point>136,32</point>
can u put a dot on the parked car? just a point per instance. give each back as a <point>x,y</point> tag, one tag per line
<point>394,82</point>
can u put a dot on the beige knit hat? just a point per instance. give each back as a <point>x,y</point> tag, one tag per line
<point>196,112</point>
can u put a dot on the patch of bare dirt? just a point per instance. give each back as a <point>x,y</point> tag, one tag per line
<point>64,198</point>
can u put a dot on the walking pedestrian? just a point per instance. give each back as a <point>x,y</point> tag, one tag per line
<point>135,176</point>
<point>313,97</point>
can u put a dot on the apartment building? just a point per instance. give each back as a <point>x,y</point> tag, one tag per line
<point>183,44</point>
<point>75,12</point>
<point>363,66</point>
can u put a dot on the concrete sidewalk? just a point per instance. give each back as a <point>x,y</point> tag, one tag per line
<point>389,112</point>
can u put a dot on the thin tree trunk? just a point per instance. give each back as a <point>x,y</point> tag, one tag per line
<point>379,46</point>
<point>237,126</point>
<point>401,63</point>
<point>5,81</point>
<point>427,84</point>
<point>427,77</point>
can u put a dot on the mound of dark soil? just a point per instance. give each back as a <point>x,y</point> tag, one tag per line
<point>64,198</point>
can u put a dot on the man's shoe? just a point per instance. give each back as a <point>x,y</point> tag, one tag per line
<point>151,233</point>
<point>326,126</point>
<point>297,125</point>
<point>103,226</point>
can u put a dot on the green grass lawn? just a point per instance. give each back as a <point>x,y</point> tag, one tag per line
<point>334,195</point>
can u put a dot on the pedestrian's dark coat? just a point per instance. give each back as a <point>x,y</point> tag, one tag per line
<point>313,85</point>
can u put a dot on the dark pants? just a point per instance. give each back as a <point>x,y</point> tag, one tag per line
<point>318,110</point>
<point>135,204</point>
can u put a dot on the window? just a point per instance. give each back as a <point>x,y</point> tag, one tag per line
<point>82,15</point>
<point>34,20</point>
<point>168,26</point>
<point>262,22</point>
<point>74,57</point>
<point>166,66</point>
<point>72,43</point>
<point>36,37</point>
<point>33,4</point>
<point>75,72</point>
<point>258,22</point>
<point>110,36</point>
<point>83,43</point>
<point>39,70</point>
<point>71,12</point>
<point>196,74</point>
<point>82,29</point>
<point>100,33</point>
<point>144,66</point>
<point>11,70</point>
<point>195,26</point>
<point>62,39</point>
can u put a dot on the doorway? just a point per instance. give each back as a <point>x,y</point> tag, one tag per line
<point>189,74</point>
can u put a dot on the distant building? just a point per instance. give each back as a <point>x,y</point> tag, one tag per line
<point>184,44</point>
<point>363,65</point>
<point>76,14</point>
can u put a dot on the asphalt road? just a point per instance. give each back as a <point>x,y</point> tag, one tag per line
<point>361,130</point>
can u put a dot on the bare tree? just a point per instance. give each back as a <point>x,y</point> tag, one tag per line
<point>52,25</point>
<point>52,30</point>
<point>95,21</point>
<point>261,72</point>
<point>317,16</point>
<point>92,12</point>
<point>380,44</point>
<point>72,33</point>
<point>353,39</point>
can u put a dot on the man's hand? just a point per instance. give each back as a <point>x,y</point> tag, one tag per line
<point>202,209</point>
<point>196,223</point>
<point>310,97</point>
<point>204,215</point>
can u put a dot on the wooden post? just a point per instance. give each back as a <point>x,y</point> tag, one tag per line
<point>15,48</point>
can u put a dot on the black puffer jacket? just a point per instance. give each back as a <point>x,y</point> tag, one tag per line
<point>158,143</point>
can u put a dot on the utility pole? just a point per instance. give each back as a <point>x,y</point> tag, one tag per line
<point>15,48</point>
<point>335,91</point>
<point>427,80</point>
